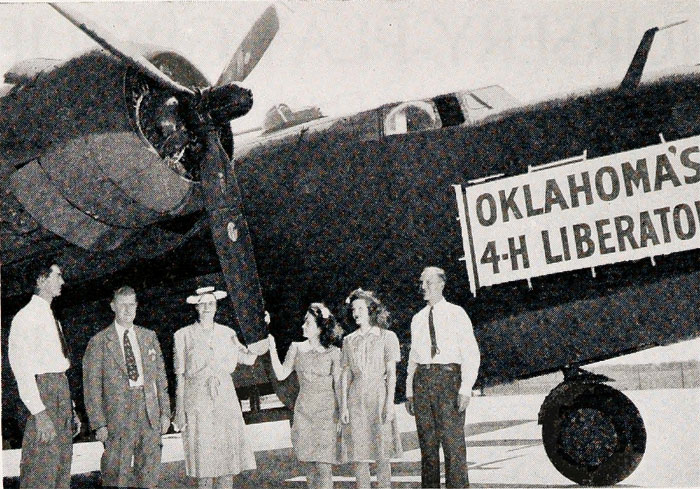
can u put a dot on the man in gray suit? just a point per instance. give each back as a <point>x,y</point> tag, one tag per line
<point>126,396</point>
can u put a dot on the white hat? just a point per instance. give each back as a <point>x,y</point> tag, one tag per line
<point>204,293</point>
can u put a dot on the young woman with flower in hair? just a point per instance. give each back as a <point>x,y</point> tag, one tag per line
<point>370,431</point>
<point>317,363</point>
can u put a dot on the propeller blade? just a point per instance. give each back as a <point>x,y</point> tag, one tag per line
<point>120,50</point>
<point>229,229</point>
<point>251,48</point>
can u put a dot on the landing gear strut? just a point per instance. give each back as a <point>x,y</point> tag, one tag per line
<point>592,433</point>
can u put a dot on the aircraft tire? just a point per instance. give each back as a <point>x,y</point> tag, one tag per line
<point>593,434</point>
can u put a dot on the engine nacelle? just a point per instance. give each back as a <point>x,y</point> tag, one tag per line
<point>99,150</point>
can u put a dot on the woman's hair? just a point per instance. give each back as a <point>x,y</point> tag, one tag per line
<point>330,332</point>
<point>378,313</point>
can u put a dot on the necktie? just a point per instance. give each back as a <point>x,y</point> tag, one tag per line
<point>434,350</point>
<point>64,345</point>
<point>131,368</point>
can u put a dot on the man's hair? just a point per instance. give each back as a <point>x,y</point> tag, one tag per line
<point>435,271</point>
<point>40,270</point>
<point>123,291</point>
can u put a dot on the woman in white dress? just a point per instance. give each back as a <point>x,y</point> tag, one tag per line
<point>207,407</point>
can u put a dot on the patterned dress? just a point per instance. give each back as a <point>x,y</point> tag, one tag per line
<point>365,437</point>
<point>214,437</point>
<point>314,434</point>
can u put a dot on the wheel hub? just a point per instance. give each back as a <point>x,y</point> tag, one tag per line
<point>588,437</point>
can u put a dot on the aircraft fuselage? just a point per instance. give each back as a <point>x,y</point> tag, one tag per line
<point>330,213</point>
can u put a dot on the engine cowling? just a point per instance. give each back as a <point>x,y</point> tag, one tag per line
<point>109,152</point>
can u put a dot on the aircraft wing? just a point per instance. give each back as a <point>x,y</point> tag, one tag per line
<point>28,69</point>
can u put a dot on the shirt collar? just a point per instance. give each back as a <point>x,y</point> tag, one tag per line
<point>121,329</point>
<point>318,349</point>
<point>373,330</point>
<point>438,304</point>
<point>40,301</point>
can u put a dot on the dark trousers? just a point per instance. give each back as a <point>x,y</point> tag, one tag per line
<point>132,450</point>
<point>47,465</point>
<point>438,420</point>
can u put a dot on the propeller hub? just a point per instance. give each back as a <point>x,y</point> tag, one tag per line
<point>227,102</point>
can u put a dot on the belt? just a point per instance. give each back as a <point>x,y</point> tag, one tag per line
<point>450,367</point>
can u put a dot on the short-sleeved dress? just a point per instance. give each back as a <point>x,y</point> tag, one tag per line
<point>214,437</point>
<point>365,437</point>
<point>314,434</point>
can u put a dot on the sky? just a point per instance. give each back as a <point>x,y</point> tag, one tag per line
<point>348,56</point>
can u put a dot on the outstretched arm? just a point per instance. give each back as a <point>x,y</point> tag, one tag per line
<point>282,370</point>
<point>243,354</point>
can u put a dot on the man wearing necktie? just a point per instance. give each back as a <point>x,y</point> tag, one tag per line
<point>126,396</point>
<point>443,364</point>
<point>39,358</point>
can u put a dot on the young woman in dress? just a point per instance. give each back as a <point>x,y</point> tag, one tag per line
<point>317,363</point>
<point>370,430</point>
<point>208,411</point>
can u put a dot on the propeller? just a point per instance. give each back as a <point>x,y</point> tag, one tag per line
<point>229,231</point>
<point>205,113</point>
<point>121,50</point>
<point>251,48</point>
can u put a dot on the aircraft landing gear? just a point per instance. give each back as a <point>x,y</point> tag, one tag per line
<point>593,434</point>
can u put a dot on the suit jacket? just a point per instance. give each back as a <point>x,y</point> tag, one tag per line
<point>106,382</point>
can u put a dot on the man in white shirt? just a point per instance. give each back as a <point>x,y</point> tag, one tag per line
<point>39,358</point>
<point>443,364</point>
<point>126,396</point>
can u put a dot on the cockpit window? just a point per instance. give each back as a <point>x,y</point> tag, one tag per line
<point>411,117</point>
<point>483,102</point>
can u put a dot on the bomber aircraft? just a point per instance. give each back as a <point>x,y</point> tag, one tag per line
<point>120,164</point>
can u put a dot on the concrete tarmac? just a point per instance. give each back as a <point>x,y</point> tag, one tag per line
<point>504,449</point>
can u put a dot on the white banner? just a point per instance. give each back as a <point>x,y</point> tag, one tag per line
<point>568,215</point>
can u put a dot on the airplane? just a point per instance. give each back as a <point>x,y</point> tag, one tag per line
<point>120,164</point>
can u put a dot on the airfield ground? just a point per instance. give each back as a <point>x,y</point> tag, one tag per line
<point>504,448</point>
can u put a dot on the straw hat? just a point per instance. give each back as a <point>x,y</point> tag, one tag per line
<point>204,294</point>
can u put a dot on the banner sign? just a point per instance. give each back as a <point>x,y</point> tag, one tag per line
<point>569,215</point>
